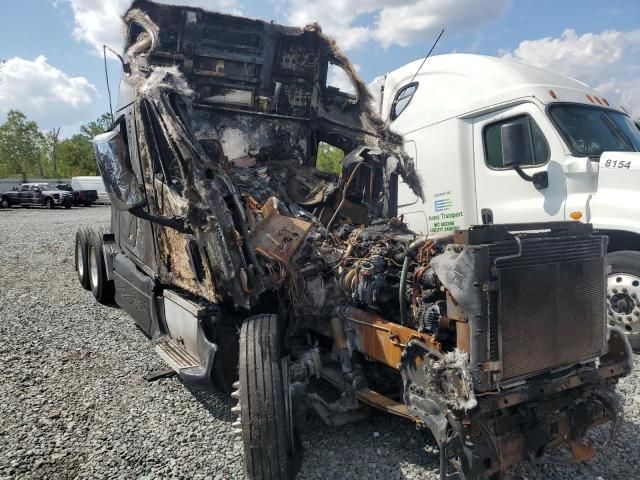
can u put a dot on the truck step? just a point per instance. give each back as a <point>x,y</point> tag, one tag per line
<point>174,354</point>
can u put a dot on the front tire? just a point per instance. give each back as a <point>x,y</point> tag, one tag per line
<point>102,288</point>
<point>265,423</point>
<point>48,203</point>
<point>623,294</point>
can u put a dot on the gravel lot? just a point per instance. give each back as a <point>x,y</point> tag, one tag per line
<point>74,404</point>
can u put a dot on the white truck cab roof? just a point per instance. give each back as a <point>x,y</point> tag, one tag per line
<point>473,83</point>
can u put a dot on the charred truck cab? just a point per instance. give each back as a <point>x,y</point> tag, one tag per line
<point>251,269</point>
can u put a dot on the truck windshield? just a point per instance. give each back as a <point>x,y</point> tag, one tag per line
<point>590,131</point>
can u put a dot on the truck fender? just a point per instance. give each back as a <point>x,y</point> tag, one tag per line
<point>621,240</point>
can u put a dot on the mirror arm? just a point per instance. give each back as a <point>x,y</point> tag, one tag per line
<point>176,223</point>
<point>540,180</point>
<point>524,176</point>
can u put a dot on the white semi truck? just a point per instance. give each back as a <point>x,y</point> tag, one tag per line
<point>579,157</point>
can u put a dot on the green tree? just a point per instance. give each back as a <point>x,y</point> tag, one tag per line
<point>74,155</point>
<point>96,127</point>
<point>21,144</point>
<point>329,158</point>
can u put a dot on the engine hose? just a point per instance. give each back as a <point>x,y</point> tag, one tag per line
<point>410,254</point>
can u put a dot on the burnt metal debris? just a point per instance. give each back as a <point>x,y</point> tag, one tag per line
<point>472,334</point>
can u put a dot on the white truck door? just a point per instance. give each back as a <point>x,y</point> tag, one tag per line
<point>409,204</point>
<point>502,195</point>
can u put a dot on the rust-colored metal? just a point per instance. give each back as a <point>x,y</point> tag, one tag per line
<point>463,336</point>
<point>278,237</point>
<point>368,396</point>
<point>380,339</point>
<point>580,451</point>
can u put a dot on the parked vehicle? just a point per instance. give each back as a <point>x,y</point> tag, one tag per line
<point>236,255</point>
<point>84,198</point>
<point>37,194</point>
<point>580,159</point>
<point>91,183</point>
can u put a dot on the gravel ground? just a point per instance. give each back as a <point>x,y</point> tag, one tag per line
<point>73,402</point>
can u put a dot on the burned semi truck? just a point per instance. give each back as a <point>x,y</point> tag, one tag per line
<point>252,270</point>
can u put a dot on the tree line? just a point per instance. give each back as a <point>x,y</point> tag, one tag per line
<point>27,152</point>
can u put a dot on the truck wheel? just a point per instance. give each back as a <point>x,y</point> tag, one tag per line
<point>67,207</point>
<point>623,294</point>
<point>82,256</point>
<point>265,421</point>
<point>103,290</point>
<point>5,203</point>
<point>48,203</point>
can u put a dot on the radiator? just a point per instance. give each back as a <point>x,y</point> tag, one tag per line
<point>550,309</point>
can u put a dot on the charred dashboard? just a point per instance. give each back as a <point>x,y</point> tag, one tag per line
<point>493,338</point>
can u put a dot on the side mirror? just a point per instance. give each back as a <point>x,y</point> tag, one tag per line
<point>120,180</point>
<point>516,148</point>
<point>514,144</point>
<point>121,183</point>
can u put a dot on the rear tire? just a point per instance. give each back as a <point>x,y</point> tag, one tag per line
<point>103,289</point>
<point>82,255</point>
<point>624,289</point>
<point>266,429</point>
<point>5,203</point>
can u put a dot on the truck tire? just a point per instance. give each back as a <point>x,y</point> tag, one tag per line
<point>623,294</point>
<point>5,203</point>
<point>103,289</point>
<point>264,420</point>
<point>82,256</point>
<point>48,203</point>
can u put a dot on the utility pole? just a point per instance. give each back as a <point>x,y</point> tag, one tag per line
<point>55,133</point>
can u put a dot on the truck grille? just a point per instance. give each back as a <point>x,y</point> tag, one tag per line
<point>551,306</point>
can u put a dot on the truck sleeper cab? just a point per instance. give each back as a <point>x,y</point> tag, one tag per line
<point>250,268</point>
<point>583,149</point>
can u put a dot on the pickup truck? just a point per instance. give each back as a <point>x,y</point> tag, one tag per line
<point>80,197</point>
<point>39,194</point>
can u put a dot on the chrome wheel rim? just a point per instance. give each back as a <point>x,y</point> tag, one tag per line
<point>93,267</point>
<point>623,302</point>
<point>80,260</point>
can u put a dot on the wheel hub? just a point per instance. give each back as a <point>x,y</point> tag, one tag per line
<point>623,302</point>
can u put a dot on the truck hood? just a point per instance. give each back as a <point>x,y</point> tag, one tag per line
<point>616,205</point>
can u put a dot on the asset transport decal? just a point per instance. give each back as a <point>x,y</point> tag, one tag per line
<point>446,218</point>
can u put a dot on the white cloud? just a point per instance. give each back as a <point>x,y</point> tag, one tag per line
<point>98,22</point>
<point>608,61</point>
<point>43,93</point>
<point>375,87</point>
<point>403,23</point>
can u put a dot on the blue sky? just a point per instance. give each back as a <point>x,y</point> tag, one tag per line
<point>68,88</point>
